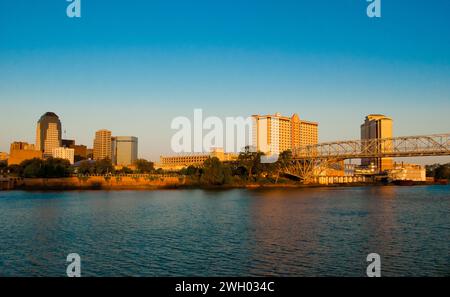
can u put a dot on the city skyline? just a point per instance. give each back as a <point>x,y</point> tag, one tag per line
<point>148,62</point>
<point>105,145</point>
<point>236,147</point>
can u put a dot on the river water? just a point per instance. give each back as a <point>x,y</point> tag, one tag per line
<point>279,232</point>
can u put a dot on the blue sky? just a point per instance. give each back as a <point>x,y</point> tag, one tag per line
<point>132,66</point>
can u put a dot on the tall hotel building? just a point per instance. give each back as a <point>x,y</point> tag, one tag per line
<point>273,134</point>
<point>124,150</point>
<point>102,145</point>
<point>48,133</point>
<point>377,126</point>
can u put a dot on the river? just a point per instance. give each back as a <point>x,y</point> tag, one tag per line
<point>276,232</point>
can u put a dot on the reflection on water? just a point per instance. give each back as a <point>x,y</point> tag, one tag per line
<point>287,232</point>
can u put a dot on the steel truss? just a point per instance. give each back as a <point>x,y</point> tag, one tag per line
<point>312,160</point>
<point>407,146</point>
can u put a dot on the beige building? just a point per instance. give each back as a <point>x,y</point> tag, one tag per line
<point>48,133</point>
<point>80,151</point>
<point>20,145</point>
<point>102,145</point>
<point>377,126</point>
<point>273,134</point>
<point>21,151</point>
<point>64,153</point>
<point>178,162</point>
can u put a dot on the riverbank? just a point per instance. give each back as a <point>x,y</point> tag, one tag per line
<point>155,183</point>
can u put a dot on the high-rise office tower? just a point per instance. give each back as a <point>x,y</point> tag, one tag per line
<point>102,145</point>
<point>124,150</point>
<point>377,126</point>
<point>273,134</point>
<point>48,133</point>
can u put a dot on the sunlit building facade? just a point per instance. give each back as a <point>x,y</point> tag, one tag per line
<point>64,153</point>
<point>80,151</point>
<point>124,150</point>
<point>102,145</point>
<point>377,126</point>
<point>273,134</point>
<point>48,133</point>
<point>4,156</point>
<point>21,151</point>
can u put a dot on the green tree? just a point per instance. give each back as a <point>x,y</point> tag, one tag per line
<point>215,173</point>
<point>15,170</point>
<point>125,170</point>
<point>144,166</point>
<point>190,170</point>
<point>86,167</point>
<point>32,168</point>
<point>442,171</point>
<point>251,161</point>
<point>104,166</point>
<point>284,160</point>
<point>50,168</point>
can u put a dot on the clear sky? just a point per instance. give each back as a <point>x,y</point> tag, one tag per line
<point>132,66</point>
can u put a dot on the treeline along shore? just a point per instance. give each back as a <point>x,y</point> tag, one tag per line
<point>153,182</point>
<point>141,182</point>
<point>246,172</point>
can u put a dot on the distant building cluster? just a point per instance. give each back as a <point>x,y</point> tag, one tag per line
<point>272,134</point>
<point>121,150</point>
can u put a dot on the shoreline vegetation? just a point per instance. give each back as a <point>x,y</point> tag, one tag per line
<point>166,183</point>
<point>182,187</point>
<point>247,172</point>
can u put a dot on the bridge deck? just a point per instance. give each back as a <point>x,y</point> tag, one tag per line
<point>407,146</point>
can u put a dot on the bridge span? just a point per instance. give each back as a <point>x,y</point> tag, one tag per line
<point>310,161</point>
<point>405,146</point>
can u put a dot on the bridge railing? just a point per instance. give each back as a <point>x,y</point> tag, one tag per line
<point>406,146</point>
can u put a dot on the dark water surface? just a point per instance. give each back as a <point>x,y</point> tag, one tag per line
<point>282,232</point>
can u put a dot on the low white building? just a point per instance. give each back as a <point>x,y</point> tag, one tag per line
<point>64,153</point>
